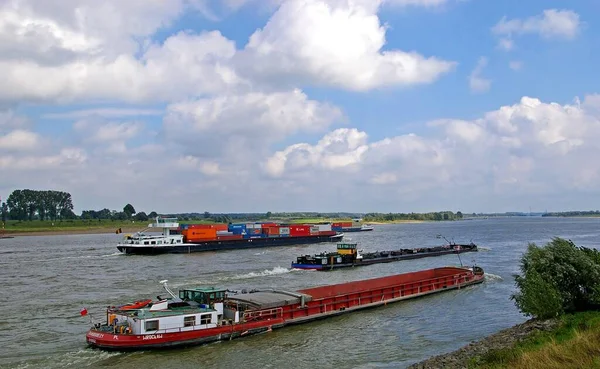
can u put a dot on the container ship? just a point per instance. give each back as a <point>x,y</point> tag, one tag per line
<point>188,238</point>
<point>355,225</point>
<point>201,315</point>
<point>347,255</point>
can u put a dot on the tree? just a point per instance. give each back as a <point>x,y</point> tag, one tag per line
<point>152,215</point>
<point>141,216</point>
<point>4,212</point>
<point>206,215</point>
<point>269,215</point>
<point>459,215</point>
<point>557,278</point>
<point>129,210</point>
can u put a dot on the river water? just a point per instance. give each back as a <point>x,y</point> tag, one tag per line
<point>48,279</point>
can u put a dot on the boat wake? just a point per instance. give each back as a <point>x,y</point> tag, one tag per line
<point>481,248</point>
<point>74,359</point>
<point>493,277</point>
<point>267,272</point>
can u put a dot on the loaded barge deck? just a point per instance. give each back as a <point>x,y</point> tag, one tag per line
<point>347,255</point>
<point>201,238</point>
<point>202,315</point>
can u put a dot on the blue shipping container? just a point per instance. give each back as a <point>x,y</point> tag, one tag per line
<point>233,227</point>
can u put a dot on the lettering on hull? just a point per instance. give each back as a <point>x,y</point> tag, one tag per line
<point>152,337</point>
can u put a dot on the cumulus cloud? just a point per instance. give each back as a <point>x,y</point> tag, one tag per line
<point>19,140</point>
<point>477,83</point>
<point>551,24</point>
<point>185,64</point>
<point>526,147</point>
<point>252,121</point>
<point>52,32</point>
<point>104,113</point>
<point>334,43</point>
<point>79,51</point>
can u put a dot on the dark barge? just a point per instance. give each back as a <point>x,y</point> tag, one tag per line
<point>347,255</point>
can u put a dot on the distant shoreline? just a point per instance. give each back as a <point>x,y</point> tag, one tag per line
<point>107,230</point>
<point>63,232</point>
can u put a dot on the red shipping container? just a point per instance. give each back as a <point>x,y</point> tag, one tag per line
<point>268,225</point>
<point>230,237</point>
<point>337,224</point>
<point>347,224</point>
<point>271,230</point>
<point>299,230</point>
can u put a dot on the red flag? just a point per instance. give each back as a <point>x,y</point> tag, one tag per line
<point>83,312</point>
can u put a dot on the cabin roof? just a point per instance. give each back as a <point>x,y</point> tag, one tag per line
<point>267,299</point>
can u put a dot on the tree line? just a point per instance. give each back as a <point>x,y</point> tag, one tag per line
<point>44,205</point>
<point>58,205</point>
<point>433,216</point>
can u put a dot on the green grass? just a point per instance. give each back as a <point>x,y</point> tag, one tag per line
<point>575,343</point>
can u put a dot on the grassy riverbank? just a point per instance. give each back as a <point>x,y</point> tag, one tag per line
<point>569,342</point>
<point>574,343</point>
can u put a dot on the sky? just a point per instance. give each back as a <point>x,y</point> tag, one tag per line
<point>303,105</point>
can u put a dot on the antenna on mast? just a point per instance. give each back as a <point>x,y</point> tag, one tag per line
<point>164,283</point>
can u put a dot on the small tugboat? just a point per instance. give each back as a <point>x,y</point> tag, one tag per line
<point>201,315</point>
<point>347,255</point>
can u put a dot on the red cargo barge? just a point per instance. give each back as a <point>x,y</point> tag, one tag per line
<point>201,315</point>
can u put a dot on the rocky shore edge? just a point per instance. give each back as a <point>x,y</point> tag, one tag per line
<point>500,340</point>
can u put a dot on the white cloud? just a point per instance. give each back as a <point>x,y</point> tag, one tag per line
<point>64,161</point>
<point>515,65</point>
<point>477,83</point>
<point>551,24</point>
<point>506,44</point>
<point>104,113</point>
<point>341,148</point>
<point>185,64</point>
<point>51,32</point>
<point>19,140</point>
<point>523,148</point>
<point>529,150</point>
<point>252,121</point>
<point>335,43</point>
<point>108,132</point>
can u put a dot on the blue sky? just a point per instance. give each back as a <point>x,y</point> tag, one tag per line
<point>315,113</point>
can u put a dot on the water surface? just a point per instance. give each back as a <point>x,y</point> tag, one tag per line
<point>48,279</point>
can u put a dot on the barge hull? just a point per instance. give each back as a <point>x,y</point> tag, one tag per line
<point>326,301</point>
<point>386,259</point>
<point>250,243</point>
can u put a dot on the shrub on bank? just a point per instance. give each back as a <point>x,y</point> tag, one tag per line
<point>558,278</point>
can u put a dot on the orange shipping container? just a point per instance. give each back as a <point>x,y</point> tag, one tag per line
<point>199,233</point>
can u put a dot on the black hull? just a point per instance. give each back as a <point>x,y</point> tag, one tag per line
<point>380,260</point>
<point>227,245</point>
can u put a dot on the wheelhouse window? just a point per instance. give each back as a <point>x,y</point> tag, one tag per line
<point>205,319</point>
<point>189,321</point>
<point>151,325</point>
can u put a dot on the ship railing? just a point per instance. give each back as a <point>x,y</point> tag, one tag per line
<point>263,314</point>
